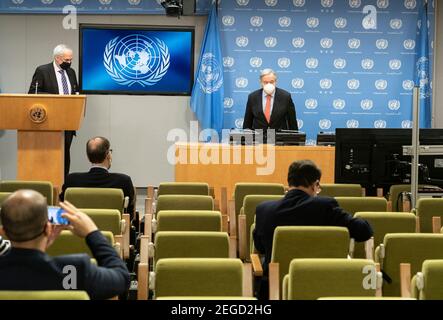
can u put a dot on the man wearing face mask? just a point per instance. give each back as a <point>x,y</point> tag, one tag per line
<point>270,107</point>
<point>57,77</point>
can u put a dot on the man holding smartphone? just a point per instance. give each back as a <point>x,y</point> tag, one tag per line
<point>26,266</point>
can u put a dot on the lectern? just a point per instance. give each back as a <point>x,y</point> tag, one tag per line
<point>41,121</point>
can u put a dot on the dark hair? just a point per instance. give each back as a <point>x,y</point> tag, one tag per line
<point>24,215</point>
<point>97,152</point>
<point>303,173</point>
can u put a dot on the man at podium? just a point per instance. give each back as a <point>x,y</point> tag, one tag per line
<point>270,107</point>
<point>57,77</point>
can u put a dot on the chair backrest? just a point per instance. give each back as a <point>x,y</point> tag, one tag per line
<point>190,188</point>
<point>432,280</point>
<point>184,202</point>
<point>68,243</point>
<point>356,204</point>
<point>426,209</point>
<point>250,203</point>
<point>106,219</point>
<point>413,248</point>
<point>3,196</point>
<point>310,279</point>
<point>199,277</point>
<point>340,190</point>
<point>293,242</point>
<point>394,195</point>
<point>44,295</point>
<point>189,220</point>
<point>44,187</point>
<point>383,223</point>
<point>191,244</point>
<point>243,189</point>
<point>96,198</point>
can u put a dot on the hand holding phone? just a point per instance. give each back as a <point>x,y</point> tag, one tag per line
<point>55,216</point>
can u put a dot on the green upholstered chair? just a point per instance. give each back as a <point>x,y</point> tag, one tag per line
<point>185,202</point>
<point>383,223</point>
<point>43,187</point>
<point>356,204</point>
<point>44,295</point>
<point>206,298</point>
<point>428,284</point>
<point>310,279</point>
<point>96,198</point>
<point>181,277</point>
<point>190,188</point>
<point>409,248</point>
<point>3,196</point>
<point>245,220</point>
<point>395,192</point>
<point>365,298</point>
<point>426,209</point>
<point>340,190</point>
<point>189,220</point>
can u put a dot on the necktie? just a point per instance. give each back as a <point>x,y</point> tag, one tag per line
<point>64,82</point>
<point>268,108</point>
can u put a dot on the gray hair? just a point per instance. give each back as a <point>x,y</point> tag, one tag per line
<point>61,49</point>
<point>266,72</point>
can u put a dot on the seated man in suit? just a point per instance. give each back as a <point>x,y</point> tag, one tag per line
<point>57,77</point>
<point>26,266</point>
<point>99,152</point>
<point>270,107</point>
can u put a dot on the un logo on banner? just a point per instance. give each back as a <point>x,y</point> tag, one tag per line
<point>47,1</point>
<point>210,76</point>
<point>312,22</point>
<point>228,21</point>
<point>239,123</point>
<point>340,23</point>
<point>409,44</point>
<point>324,124</point>
<point>406,124</point>
<point>355,4</point>
<point>353,84</point>
<point>300,123</point>
<point>423,75</point>
<point>339,63</point>
<point>381,84</point>
<point>382,4</point>
<point>136,59</point>
<point>298,3</point>
<point>243,2</point>
<point>256,21</point>
<point>396,24</point>
<point>270,42</point>
<point>284,62</point>
<point>298,83</point>
<point>394,64</point>
<point>298,42</point>
<point>241,82</point>
<point>284,22</point>
<point>312,63</point>
<point>105,2</point>
<point>379,124</point>
<point>367,64</point>
<point>271,3</point>
<point>241,41</point>
<point>394,105</point>
<point>17,1</point>
<point>327,3</point>
<point>326,84</point>
<point>410,4</point>
<point>367,104</point>
<point>228,62</point>
<point>311,104</point>
<point>228,103</point>
<point>134,2</point>
<point>326,43</point>
<point>76,2</point>
<point>352,124</point>
<point>339,104</point>
<point>354,43</point>
<point>255,62</point>
<point>382,44</point>
<point>408,85</point>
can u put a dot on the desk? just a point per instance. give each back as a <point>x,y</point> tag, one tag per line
<point>223,165</point>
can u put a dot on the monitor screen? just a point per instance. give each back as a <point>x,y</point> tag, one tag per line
<point>117,59</point>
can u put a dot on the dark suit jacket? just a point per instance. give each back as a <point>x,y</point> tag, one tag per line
<point>101,178</point>
<point>283,112</point>
<point>47,81</point>
<point>298,208</point>
<point>27,269</point>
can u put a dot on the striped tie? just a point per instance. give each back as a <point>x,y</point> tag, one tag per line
<point>64,82</point>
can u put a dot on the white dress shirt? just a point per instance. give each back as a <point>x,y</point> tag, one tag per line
<point>59,79</point>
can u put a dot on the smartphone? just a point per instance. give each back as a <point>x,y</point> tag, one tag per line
<point>55,215</point>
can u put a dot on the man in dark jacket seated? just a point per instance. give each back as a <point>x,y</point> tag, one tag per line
<point>26,266</point>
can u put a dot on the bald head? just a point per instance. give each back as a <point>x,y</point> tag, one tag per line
<point>97,149</point>
<point>24,215</point>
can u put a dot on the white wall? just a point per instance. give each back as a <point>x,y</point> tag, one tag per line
<point>137,126</point>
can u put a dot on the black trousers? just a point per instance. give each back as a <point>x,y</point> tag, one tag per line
<point>69,135</point>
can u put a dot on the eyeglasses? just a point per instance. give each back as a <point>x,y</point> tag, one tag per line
<point>317,187</point>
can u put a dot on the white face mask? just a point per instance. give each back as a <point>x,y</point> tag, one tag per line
<point>269,88</point>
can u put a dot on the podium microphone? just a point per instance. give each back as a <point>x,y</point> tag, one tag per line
<point>36,87</point>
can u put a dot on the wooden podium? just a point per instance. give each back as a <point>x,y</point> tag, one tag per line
<point>41,121</point>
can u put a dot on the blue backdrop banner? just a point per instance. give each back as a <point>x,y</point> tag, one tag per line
<point>347,63</point>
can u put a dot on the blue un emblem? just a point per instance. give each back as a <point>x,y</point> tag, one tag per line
<point>136,59</point>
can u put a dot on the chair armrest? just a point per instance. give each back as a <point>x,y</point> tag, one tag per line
<point>369,248</point>
<point>55,193</point>
<point>242,239</point>
<point>406,205</point>
<point>417,224</point>
<point>150,192</point>
<point>378,290</point>
<point>144,249</point>
<point>389,206</point>
<point>257,268</point>
<point>363,192</point>
<point>351,247</point>
<point>232,218</point>
<point>379,193</point>
<point>216,204</point>
<point>232,247</point>
<point>143,281</point>
<point>274,281</point>
<point>148,226</point>
<point>436,224</point>
<point>225,223</point>
<point>148,205</point>
<point>125,233</point>
<point>405,280</point>
<point>118,245</point>
<point>247,280</point>
<point>224,200</point>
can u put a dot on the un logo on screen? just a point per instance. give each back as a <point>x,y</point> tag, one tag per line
<point>242,41</point>
<point>210,76</point>
<point>406,124</point>
<point>134,2</point>
<point>367,64</point>
<point>76,2</point>
<point>325,84</point>
<point>408,85</point>
<point>298,83</point>
<point>355,4</point>
<point>354,43</point>
<point>382,4</point>
<point>239,123</point>
<point>394,105</point>
<point>340,23</point>
<point>311,104</point>
<point>353,84</point>
<point>255,62</point>
<point>241,82</point>
<point>270,42</point>
<point>228,62</point>
<point>243,2</point>
<point>327,3</point>
<point>339,63</point>
<point>339,104</point>
<point>298,4</point>
<point>298,42</point>
<point>324,124</point>
<point>284,63</point>
<point>379,124</point>
<point>47,1</point>
<point>105,2</point>
<point>409,44</point>
<point>271,3</point>
<point>256,21</point>
<point>228,103</point>
<point>326,43</point>
<point>396,24</point>
<point>382,44</point>
<point>228,21</point>
<point>17,1</point>
<point>367,104</point>
<point>410,4</point>
<point>381,84</point>
<point>136,59</point>
<point>300,123</point>
<point>312,63</point>
<point>394,64</point>
<point>312,22</point>
<point>284,22</point>
<point>352,124</point>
